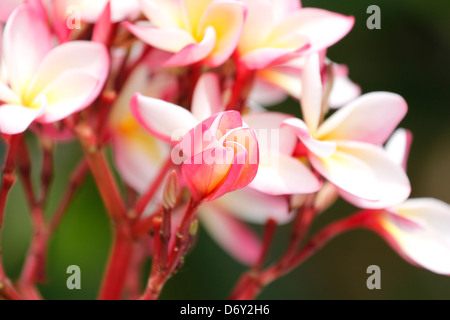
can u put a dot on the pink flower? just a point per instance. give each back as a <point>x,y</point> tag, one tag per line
<point>206,30</point>
<point>346,147</point>
<point>218,156</point>
<point>275,29</point>
<point>7,7</point>
<point>43,83</point>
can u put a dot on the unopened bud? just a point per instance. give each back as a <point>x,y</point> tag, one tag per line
<point>171,191</point>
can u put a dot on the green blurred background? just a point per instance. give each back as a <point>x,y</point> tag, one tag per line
<point>409,56</point>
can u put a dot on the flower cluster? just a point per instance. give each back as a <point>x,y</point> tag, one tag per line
<point>181,90</point>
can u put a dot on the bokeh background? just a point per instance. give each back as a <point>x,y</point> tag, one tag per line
<point>409,56</point>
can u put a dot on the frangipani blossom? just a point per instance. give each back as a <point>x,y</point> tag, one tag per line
<point>277,28</point>
<point>194,30</point>
<point>219,155</point>
<point>46,84</point>
<point>346,148</point>
<point>7,7</point>
<point>279,173</point>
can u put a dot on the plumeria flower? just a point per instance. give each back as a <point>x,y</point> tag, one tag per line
<point>417,229</point>
<point>275,83</point>
<point>274,29</point>
<point>222,217</point>
<point>194,30</point>
<point>346,148</point>
<point>46,84</point>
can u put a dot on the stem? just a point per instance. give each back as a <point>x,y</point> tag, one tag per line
<point>260,281</point>
<point>47,168</point>
<point>159,276</point>
<point>102,173</point>
<point>78,176</point>
<point>119,263</point>
<point>242,86</point>
<point>6,288</point>
<point>150,193</point>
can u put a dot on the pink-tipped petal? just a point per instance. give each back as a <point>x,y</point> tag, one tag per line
<point>165,120</point>
<point>344,91</point>
<point>398,147</point>
<point>391,183</point>
<point>76,56</point>
<point>279,174</point>
<point>207,99</point>
<point>71,92</point>
<point>372,118</point>
<point>16,119</point>
<point>194,52</point>
<point>26,41</point>
<point>103,27</point>
<point>170,39</point>
<point>255,207</point>
<point>232,235</point>
<point>423,239</point>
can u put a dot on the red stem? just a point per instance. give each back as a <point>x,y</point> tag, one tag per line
<point>6,288</point>
<point>242,86</point>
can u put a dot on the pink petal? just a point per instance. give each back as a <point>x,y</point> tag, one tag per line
<point>103,27</point>
<point>164,13</point>
<point>348,173</point>
<point>26,41</point>
<point>194,52</point>
<point>71,92</point>
<point>207,98</point>
<point>279,174</point>
<point>7,7</point>
<point>76,56</point>
<point>371,118</point>
<point>227,18</point>
<point>391,185</point>
<point>343,92</point>
<point>323,28</point>
<point>398,147</point>
<point>231,234</point>
<point>170,39</point>
<point>320,148</point>
<point>418,231</point>
<point>165,120</point>
<point>255,207</point>
<point>16,119</point>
